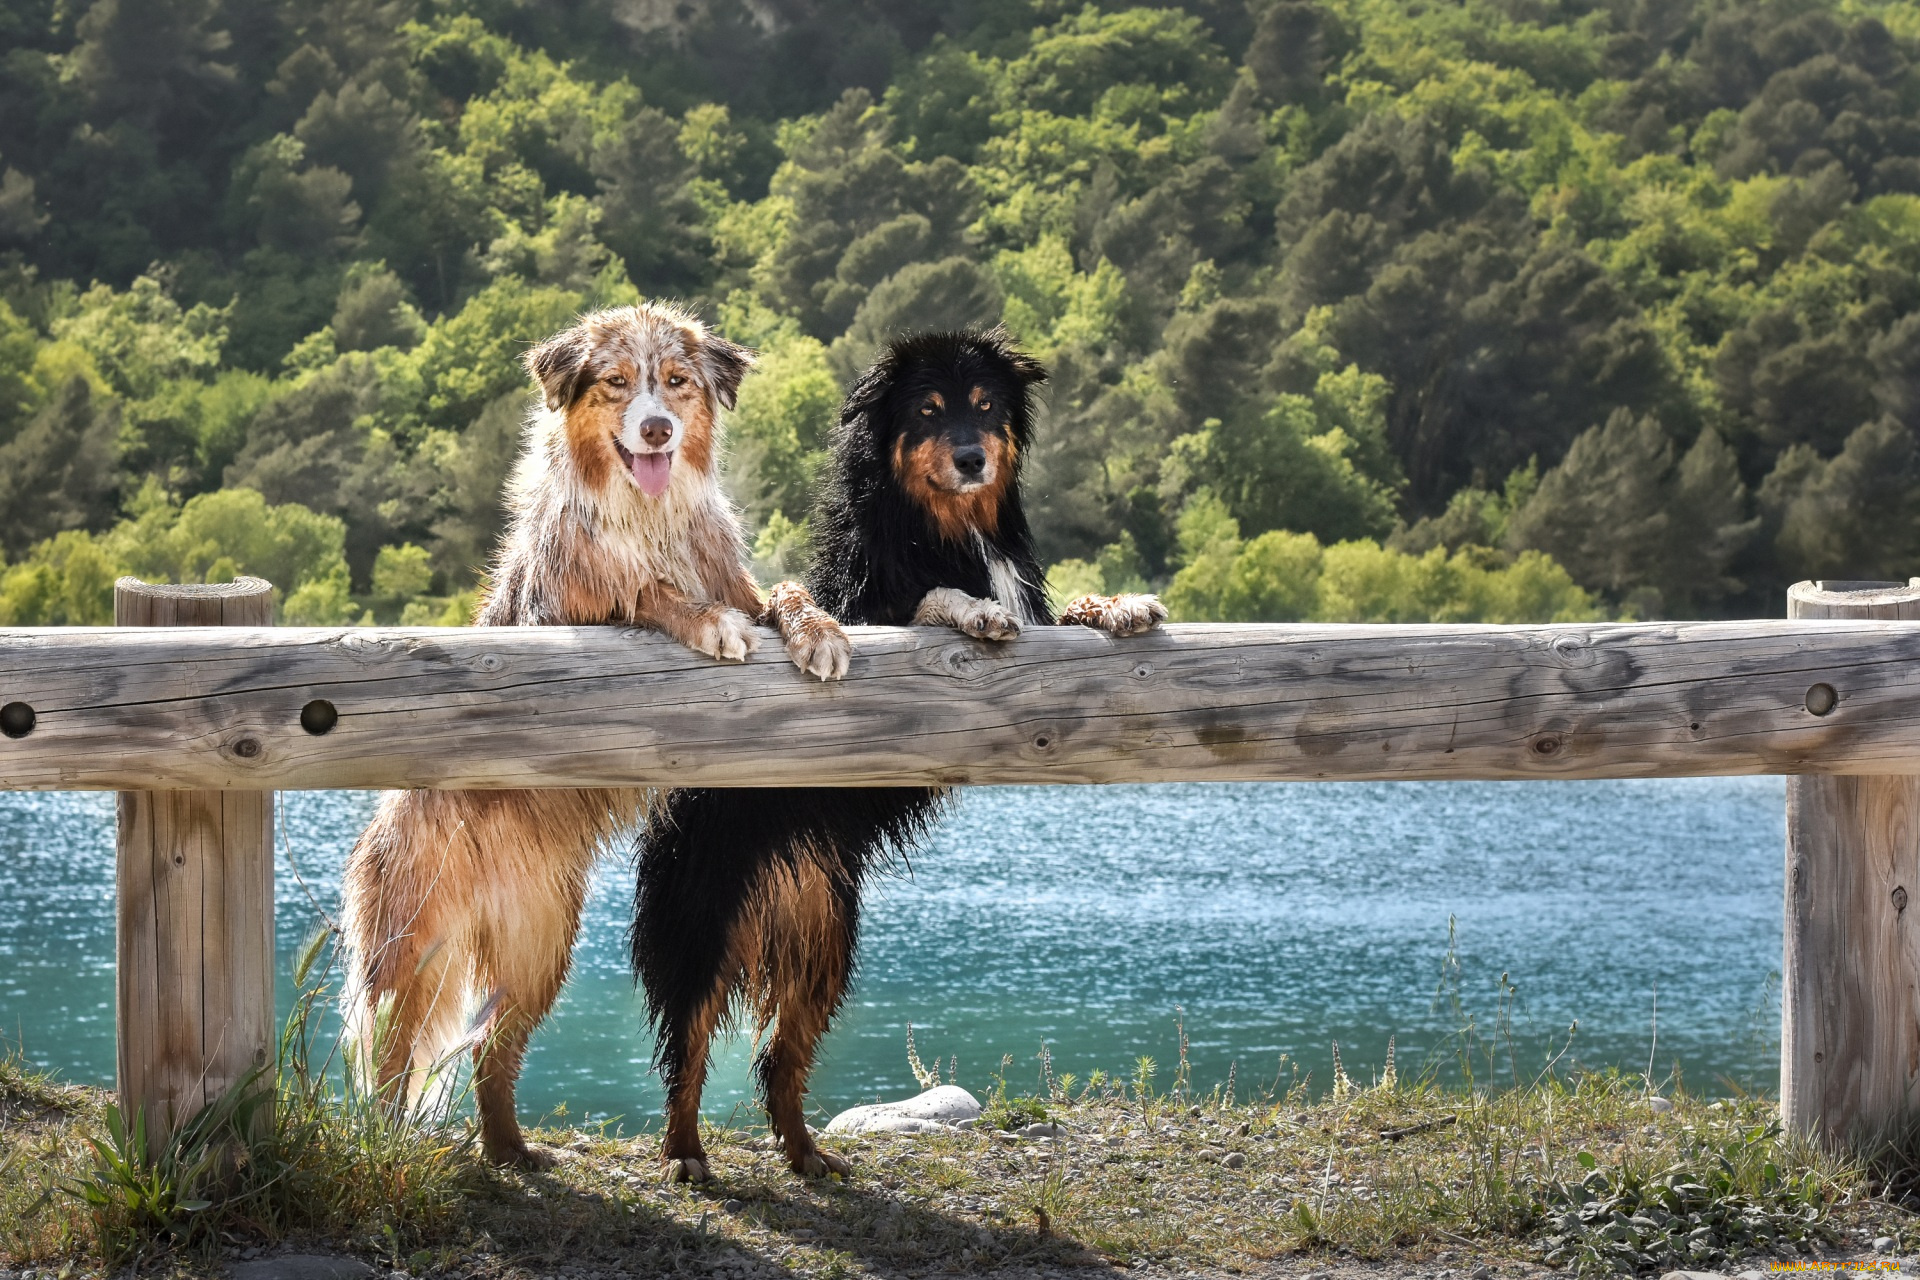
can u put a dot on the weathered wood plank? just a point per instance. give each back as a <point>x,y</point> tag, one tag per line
<point>195,869</point>
<point>1850,973</point>
<point>422,707</point>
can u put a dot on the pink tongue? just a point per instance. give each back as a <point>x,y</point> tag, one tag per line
<point>651,471</point>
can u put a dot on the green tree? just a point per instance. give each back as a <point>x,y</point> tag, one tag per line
<point>1854,516</point>
<point>1628,520</point>
<point>57,473</point>
<point>952,293</point>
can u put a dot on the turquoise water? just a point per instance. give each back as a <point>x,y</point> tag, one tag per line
<point>1278,917</point>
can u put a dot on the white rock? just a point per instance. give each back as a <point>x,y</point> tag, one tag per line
<point>938,1110</point>
<point>1041,1130</point>
<point>1883,1245</point>
<point>1694,1275</point>
<point>1659,1106</point>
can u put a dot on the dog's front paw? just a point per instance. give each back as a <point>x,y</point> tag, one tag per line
<point>726,634</point>
<point>986,620</point>
<point>815,641</point>
<point>1122,615</point>
<point>1130,615</point>
<point>819,647</point>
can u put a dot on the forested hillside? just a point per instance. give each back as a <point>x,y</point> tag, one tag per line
<point>1357,309</point>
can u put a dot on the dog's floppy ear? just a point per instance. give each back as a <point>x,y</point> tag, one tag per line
<point>726,364</point>
<point>557,365</point>
<point>863,402</point>
<point>1004,345</point>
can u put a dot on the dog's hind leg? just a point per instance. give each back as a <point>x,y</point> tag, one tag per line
<point>700,881</point>
<point>525,950</point>
<point>684,1051</point>
<point>814,923</point>
<point>407,944</point>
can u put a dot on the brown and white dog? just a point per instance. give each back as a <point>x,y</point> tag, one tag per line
<point>458,898</point>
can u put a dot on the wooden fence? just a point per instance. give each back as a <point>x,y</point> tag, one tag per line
<point>197,727</point>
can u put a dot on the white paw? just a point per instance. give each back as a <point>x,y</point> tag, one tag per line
<point>819,1164</point>
<point>986,620</point>
<point>689,1169</point>
<point>1130,615</point>
<point>821,648</point>
<point>727,635</point>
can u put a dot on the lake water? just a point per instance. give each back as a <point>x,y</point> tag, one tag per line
<point>1278,917</point>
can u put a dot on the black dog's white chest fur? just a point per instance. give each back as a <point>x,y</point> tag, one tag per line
<point>1010,591</point>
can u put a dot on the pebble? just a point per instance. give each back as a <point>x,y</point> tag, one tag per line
<point>1041,1130</point>
<point>732,1206</point>
<point>1235,1160</point>
<point>1693,1275</point>
<point>938,1110</point>
<point>1660,1107</point>
<point>1480,1272</point>
<point>1883,1245</point>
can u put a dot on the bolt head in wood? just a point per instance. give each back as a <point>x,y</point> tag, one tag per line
<point>17,719</point>
<point>1821,699</point>
<point>318,717</point>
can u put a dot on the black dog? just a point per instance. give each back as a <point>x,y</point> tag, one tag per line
<point>756,892</point>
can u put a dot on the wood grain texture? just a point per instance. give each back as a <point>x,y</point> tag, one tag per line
<point>1850,984</point>
<point>195,929</point>
<point>564,706</point>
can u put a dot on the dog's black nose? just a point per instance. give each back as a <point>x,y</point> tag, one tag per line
<point>969,459</point>
<point>656,431</point>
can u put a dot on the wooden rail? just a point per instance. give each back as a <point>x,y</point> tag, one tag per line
<point>1833,693</point>
<point>595,706</point>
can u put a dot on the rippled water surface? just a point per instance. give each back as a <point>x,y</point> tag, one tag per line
<point>1278,917</point>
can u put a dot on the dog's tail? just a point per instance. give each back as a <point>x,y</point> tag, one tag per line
<point>707,851</point>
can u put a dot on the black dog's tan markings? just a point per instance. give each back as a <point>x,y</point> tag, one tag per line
<point>753,895</point>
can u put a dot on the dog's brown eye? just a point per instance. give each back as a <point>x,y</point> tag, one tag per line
<point>926,411</point>
<point>986,406</point>
<point>675,380</point>
<point>615,380</point>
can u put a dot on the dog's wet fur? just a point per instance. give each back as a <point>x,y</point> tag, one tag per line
<point>454,899</point>
<point>753,895</point>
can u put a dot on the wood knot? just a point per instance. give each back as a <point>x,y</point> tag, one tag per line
<point>17,719</point>
<point>1821,699</point>
<point>1899,899</point>
<point>1547,744</point>
<point>962,661</point>
<point>247,748</point>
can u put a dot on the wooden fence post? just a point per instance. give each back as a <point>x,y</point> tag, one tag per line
<point>1850,975</point>
<point>195,950</point>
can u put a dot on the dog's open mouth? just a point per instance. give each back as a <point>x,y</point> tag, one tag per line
<point>651,471</point>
